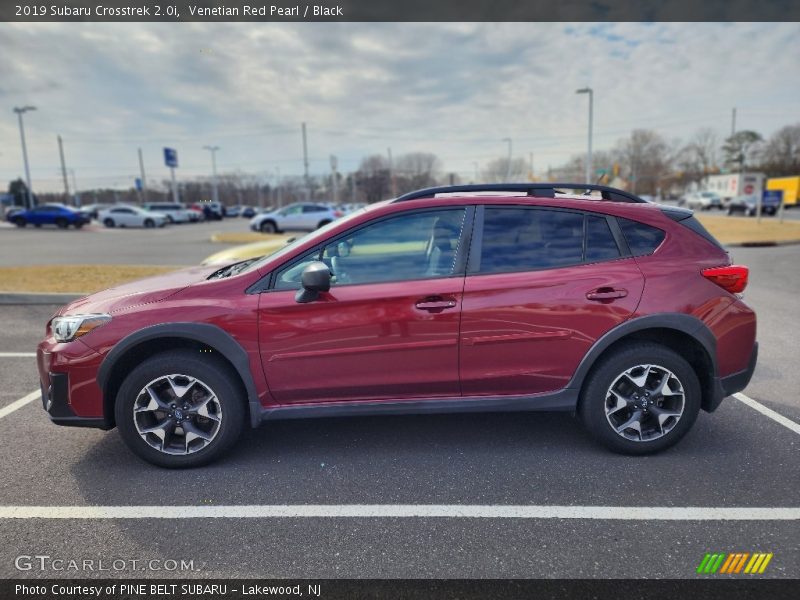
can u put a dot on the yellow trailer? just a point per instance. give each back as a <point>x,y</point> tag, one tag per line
<point>790,187</point>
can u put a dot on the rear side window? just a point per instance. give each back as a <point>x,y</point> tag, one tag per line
<point>523,239</point>
<point>642,239</point>
<point>600,242</point>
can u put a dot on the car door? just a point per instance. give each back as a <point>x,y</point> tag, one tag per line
<point>388,328</point>
<point>291,217</point>
<point>541,287</point>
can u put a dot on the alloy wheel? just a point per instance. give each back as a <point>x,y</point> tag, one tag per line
<point>177,414</point>
<point>644,403</point>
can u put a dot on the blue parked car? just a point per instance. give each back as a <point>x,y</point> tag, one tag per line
<point>49,214</point>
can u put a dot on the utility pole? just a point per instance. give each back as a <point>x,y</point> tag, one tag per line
<point>334,182</point>
<point>530,169</point>
<point>733,122</point>
<point>588,90</point>
<point>63,169</point>
<point>214,187</point>
<point>20,111</point>
<point>475,166</point>
<point>508,165</point>
<point>278,187</point>
<point>142,175</point>
<point>392,178</point>
<point>75,187</point>
<point>305,163</point>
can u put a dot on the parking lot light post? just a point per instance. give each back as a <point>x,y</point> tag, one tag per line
<point>590,91</point>
<point>20,111</point>
<point>214,188</point>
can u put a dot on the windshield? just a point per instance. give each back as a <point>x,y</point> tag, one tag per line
<point>288,248</point>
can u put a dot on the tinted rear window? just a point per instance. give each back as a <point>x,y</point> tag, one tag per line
<point>642,239</point>
<point>523,239</point>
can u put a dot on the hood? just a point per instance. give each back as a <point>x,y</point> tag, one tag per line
<point>136,293</point>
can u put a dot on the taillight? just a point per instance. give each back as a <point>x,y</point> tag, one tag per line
<point>337,213</point>
<point>732,279</point>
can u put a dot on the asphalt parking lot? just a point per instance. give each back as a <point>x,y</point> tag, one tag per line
<point>737,458</point>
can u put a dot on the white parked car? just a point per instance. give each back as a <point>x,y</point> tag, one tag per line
<point>131,216</point>
<point>175,211</point>
<point>703,201</point>
<point>302,216</point>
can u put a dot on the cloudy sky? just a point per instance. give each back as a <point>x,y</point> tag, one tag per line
<point>452,89</point>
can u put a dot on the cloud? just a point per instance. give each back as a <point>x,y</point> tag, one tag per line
<point>455,89</point>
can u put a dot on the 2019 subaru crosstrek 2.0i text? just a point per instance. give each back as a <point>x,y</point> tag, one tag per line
<point>445,300</point>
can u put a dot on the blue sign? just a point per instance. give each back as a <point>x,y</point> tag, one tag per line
<point>773,197</point>
<point>139,184</point>
<point>171,157</point>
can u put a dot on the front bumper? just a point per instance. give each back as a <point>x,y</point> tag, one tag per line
<point>67,378</point>
<point>55,400</point>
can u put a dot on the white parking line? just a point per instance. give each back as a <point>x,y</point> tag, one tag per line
<point>17,404</point>
<point>367,511</point>
<point>17,354</point>
<point>768,412</point>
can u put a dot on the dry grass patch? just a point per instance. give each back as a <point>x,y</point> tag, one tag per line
<point>73,279</point>
<point>746,230</point>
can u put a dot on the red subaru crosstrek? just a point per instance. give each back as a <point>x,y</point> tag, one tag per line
<point>536,297</point>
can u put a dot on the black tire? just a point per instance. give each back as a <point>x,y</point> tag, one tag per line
<point>268,227</point>
<point>323,223</point>
<point>79,224</point>
<point>149,223</point>
<point>109,222</point>
<point>20,221</point>
<point>62,223</point>
<point>170,219</point>
<point>213,373</point>
<point>592,407</point>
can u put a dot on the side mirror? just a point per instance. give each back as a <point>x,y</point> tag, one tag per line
<point>316,278</point>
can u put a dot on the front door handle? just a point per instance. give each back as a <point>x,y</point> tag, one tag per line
<point>435,303</point>
<point>605,294</point>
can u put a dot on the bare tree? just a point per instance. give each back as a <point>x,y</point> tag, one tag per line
<point>416,170</point>
<point>781,154</point>
<point>646,160</point>
<point>500,170</point>
<point>372,178</point>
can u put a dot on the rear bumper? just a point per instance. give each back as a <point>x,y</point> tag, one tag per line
<point>736,382</point>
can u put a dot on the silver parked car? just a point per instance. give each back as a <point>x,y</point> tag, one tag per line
<point>302,216</point>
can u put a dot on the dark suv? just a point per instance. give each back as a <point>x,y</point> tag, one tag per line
<point>538,297</point>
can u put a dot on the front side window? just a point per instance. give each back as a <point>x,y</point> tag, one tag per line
<point>412,246</point>
<point>292,210</point>
<point>528,239</point>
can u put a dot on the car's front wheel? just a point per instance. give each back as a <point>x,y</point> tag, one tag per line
<point>109,222</point>
<point>640,399</point>
<point>268,227</point>
<point>180,410</point>
<point>149,223</point>
<point>20,221</point>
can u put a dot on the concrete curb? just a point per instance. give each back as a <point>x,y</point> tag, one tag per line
<point>12,298</point>
<point>763,244</point>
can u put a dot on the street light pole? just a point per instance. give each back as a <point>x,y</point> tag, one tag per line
<point>214,189</point>
<point>590,91</point>
<point>20,111</point>
<point>508,165</point>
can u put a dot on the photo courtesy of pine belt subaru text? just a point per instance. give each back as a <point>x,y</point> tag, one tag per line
<point>503,297</point>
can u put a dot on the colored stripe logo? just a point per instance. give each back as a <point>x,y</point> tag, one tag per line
<point>734,563</point>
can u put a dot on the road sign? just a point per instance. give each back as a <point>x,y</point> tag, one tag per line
<point>774,195</point>
<point>171,157</point>
<point>139,184</point>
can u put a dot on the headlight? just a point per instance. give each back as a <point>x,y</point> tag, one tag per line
<point>66,329</point>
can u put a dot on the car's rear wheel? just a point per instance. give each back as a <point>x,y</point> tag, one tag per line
<point>268,227</point>
<point>323,223</point>
<point>62,223</point>
<point>109,222</point>
<point>149,223</point>
<point>20,221</point>
<point>79,224</point>
<point>179,410</point>
<point>640,399</point>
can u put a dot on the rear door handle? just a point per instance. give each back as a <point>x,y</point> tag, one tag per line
<point>435,303</point>
<point>606,293</point>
